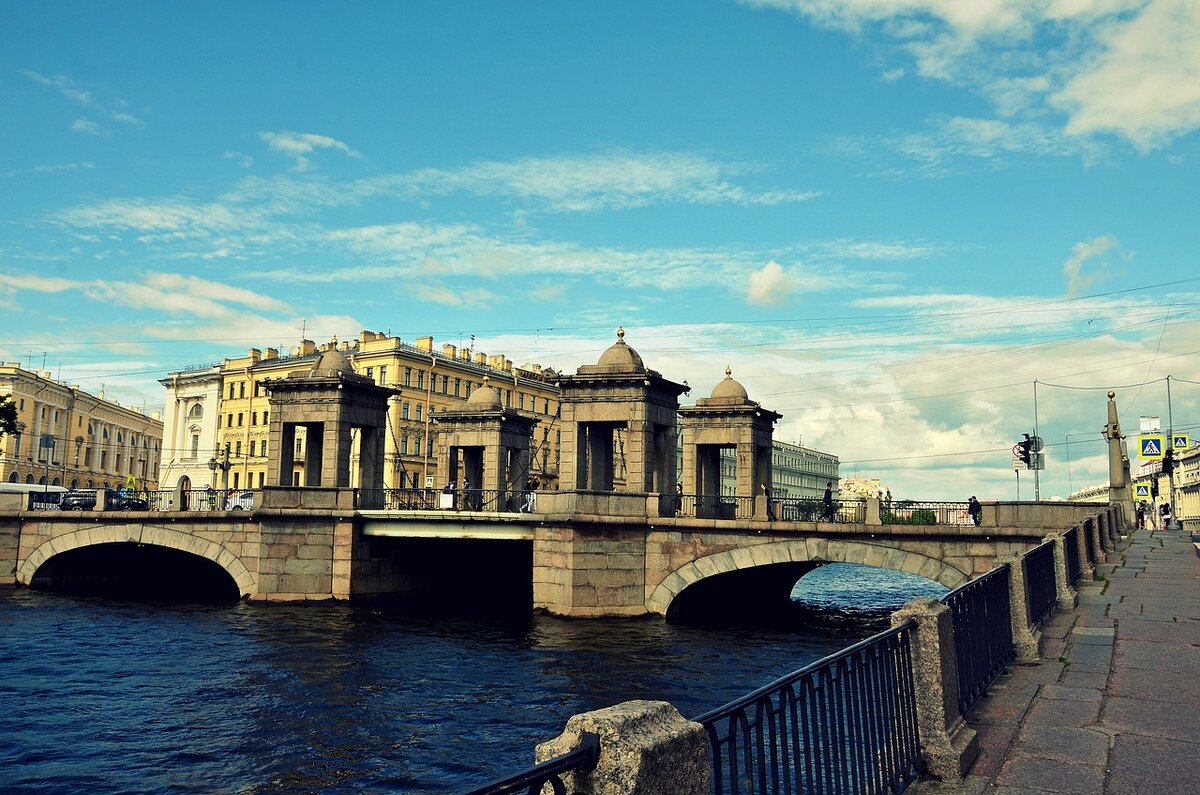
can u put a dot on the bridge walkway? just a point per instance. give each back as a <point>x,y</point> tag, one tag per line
<point>1111,708</point>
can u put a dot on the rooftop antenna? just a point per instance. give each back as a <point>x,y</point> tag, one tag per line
<point>304,329</point>
<point>43,360</point>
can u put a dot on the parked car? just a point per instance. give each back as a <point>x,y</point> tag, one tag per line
<point>85,500</point>
<point>239,501</point>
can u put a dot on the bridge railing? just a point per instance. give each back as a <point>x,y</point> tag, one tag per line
<point>847,723</point>
<point>925,513</point>
<point>583,759</point>
<point>1041,592</point>
<point>707,506</point>
<point>983,637</point>
<point>810,509</point>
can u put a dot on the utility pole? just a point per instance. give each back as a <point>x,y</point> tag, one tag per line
<point>1037,481</point>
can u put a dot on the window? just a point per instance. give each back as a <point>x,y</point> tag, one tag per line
<point>230,423</point>
<point>240,417</point>
<point>253,444</point>
<point>404,411</point>
<point>468,389</point>
<point>420,379</point>
<point>457,386</point>
<point>520,400</point>
<point>231,391</point>
<point>235,479</point>
<point>371,373</point>
<point>265,420</point>
<point>237,450</point>
<point>254,418</point>
<point>445,385</point>
<point>407,377</point>
<point>383,375</point>
<point>242,389</point>
<point>546,406</point>
<point>403,445</point>
<point>262,476</point>
<point>195,452</point>
<point>257,389</point>
<point>262,450</point>
<point>418,412</point>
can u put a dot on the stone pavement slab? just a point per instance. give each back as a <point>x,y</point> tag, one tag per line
<point>1112,707</point>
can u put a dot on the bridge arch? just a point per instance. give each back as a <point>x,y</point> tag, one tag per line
<point>151,535</point>
<point>802,550</point>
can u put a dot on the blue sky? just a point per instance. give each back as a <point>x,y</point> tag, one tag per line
<point>889,217</point>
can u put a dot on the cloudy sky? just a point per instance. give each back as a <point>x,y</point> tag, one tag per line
<point>898,221</point>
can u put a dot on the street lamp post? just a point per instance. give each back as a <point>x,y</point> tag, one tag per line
<point>220,464</point>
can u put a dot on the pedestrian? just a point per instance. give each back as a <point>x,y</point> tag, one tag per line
<point>766,492</point>
<point>1166,515</point>
<point>678,499</point>
<point>530,495</point>
<point>1141,516</point>
<point>975,511</point>
<point>827,501</point>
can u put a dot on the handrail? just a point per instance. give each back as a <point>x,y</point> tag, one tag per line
<point>846,723</point>
<point>1040,588</point>
<point>583,759</point>
<point>983,642</point>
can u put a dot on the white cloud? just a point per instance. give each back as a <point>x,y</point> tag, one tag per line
<point>299,145</point>
<point>1075,68</point>
<point>89,127</point>
<point>1078,282</point>
<point>770,285</point>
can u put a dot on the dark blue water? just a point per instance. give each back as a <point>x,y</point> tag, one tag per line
<point>103,696</point>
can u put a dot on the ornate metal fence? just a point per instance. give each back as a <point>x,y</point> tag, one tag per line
<point>704,506</point>
<point>1041,592</point>
<point>983,643</point>
<point>925,513</point>
<point>534,780</point>
<point>1089,544</point>
<point>844,725</point>
<point>1071,550</point>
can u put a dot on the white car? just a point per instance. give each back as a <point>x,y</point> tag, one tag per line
<point>240,501</point>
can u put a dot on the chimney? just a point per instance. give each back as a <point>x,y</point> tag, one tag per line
<point>448,350</point>
<point>425,344</point>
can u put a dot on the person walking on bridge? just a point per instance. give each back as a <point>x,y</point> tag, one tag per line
<point>975,511</point>
<point>766,492</point>
<point>827,501</point>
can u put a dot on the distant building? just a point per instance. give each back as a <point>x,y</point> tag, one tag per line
<point>796,471</point>
<point>222,412</point>
<point>72,438</point>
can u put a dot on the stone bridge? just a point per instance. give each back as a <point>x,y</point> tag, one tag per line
<point>577,557</point>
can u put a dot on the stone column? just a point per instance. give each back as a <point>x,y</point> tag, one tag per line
<point>948,744</point>
<point>873,515</point>
<point>646,748</point>
<point>1089,527</point>
<point>1102,520</point>
<point>1026,640</point>
<point>1067,598</point>
<point>1080,552</point>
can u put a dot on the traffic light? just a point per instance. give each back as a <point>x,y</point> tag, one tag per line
<point>1026,450</point>
<point>1168,462</point>
<point>1154,487</point>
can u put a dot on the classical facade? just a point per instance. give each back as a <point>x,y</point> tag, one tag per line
<point>69,437</point>
<point>219,418</point>
<point>796,471</point>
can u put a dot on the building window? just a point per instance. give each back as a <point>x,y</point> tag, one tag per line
<point>418,412</point>
<point>240,418</point>
<point>195,446</point>
<point>235,479</point>
<point>229,424</point>
<point>262,450</point>
<point>445,385</point>
<point>383,375</point>
<point>403,445</point>
<point>404,411</point>
<point>237,450</point>
<point>265,420</point>
<point>468,389</point>
<point>242,389</point>
<point>253,444</point>
<point>520,400</point>
<point>408,376</point>
<point>420,379</point>
<point>254,418</point>
<point>457,387</point>
<point>371,373</point>
<point>231,391</point>
<point>262,476</point>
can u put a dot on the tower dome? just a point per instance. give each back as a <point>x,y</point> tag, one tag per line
<point>730,390</point>
<point>332,362</point>
<point>620,355</point>
<point>485,397</point>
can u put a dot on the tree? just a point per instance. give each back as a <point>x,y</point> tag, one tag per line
<point>8,415</point>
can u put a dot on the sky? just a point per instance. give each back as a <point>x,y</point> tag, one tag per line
<point>916,228</point>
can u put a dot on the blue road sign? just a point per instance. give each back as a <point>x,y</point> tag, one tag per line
<point>1151,447</point>
<point>1142,490</point>
<point>1180,441</point>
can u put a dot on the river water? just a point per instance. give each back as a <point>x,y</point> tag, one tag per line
<point>105,696</point>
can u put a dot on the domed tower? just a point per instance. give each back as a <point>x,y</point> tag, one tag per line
<point>483,449</point>
<point>332,404</point>
<point>618,425</point>
<point>727,420</point>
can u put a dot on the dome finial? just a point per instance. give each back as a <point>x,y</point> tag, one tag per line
<point>621,333</point>
<point>728,371</point>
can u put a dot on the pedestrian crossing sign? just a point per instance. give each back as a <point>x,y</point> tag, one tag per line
<point>1142,489</point>
<point>1180,441</point>
<point>1151,447</point>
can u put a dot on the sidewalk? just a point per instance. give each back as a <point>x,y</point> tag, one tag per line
<point>1113,707</point>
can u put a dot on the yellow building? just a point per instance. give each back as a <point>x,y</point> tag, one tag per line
<point>222,413</point>
<point>68,437</point>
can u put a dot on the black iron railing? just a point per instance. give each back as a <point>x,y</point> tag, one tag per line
<point>925,513</point>
<point>845,724</point>
<point>1040,589</point>
<point>983,642</point>
<point>704,506</point>
<point>1071,551</point>
<point>534,780</point>
<point>1088,541</point>
<point>810,509</point>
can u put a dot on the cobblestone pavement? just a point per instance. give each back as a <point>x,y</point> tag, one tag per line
<point>1113,707</point>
